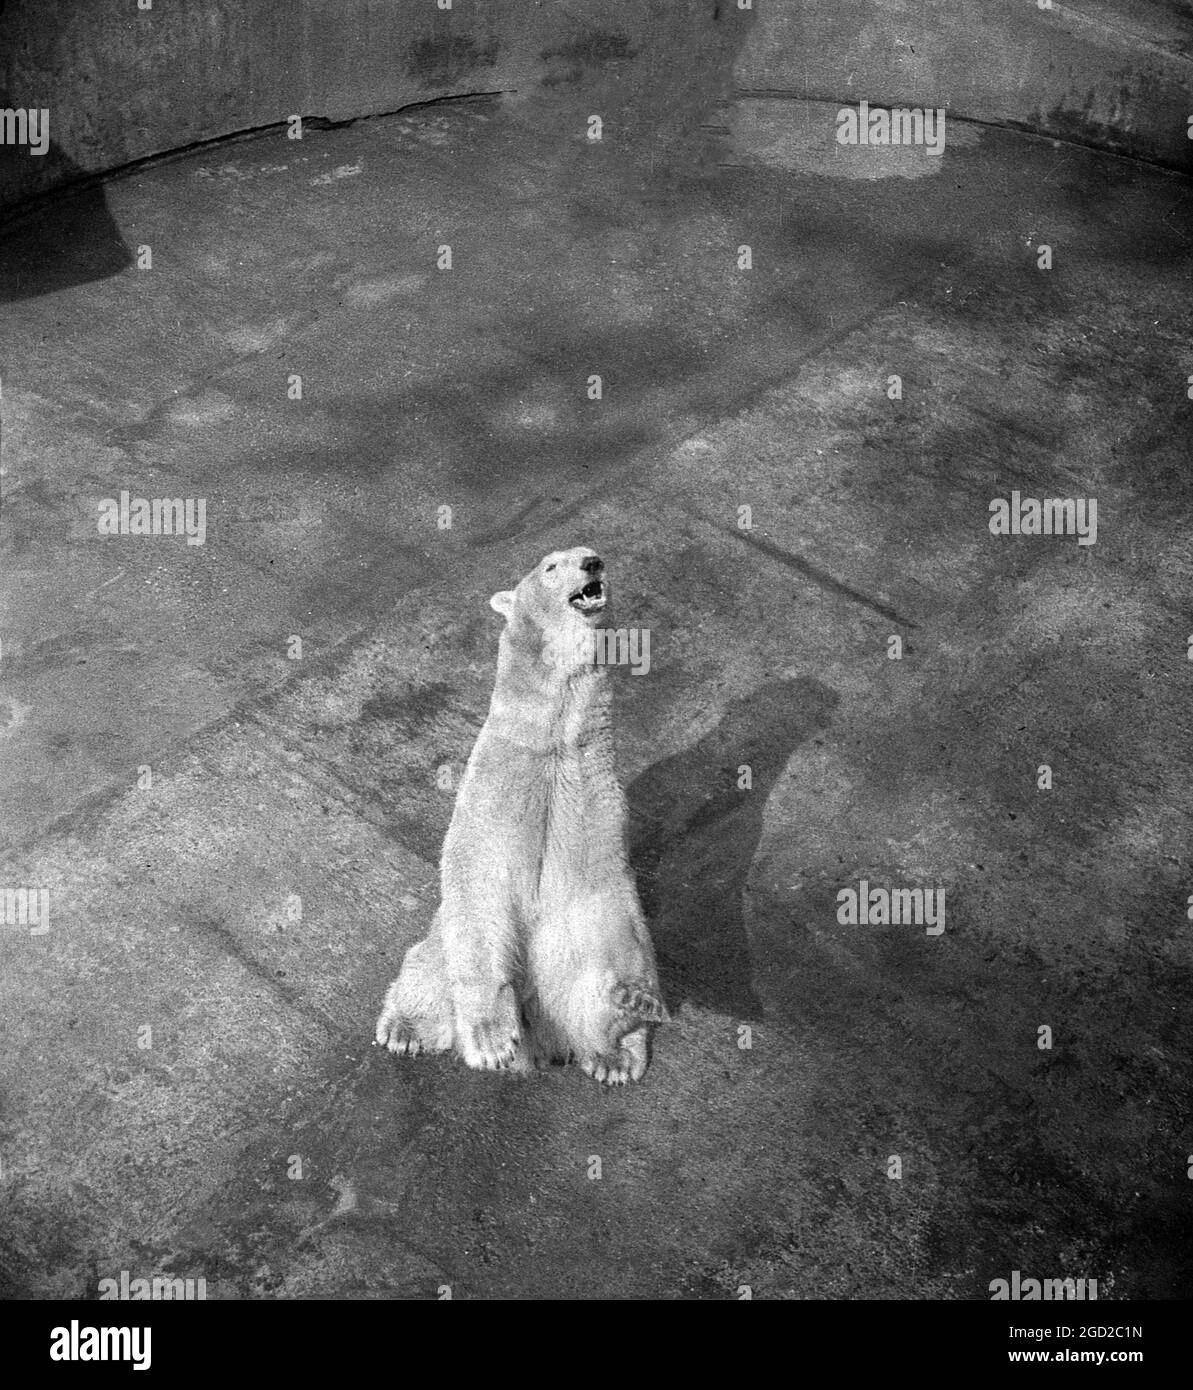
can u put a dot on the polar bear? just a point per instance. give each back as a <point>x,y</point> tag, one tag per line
<point>539,950</point>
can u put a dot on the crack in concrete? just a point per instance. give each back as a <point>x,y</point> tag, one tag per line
<point>32,204</point>
<point>808,570</point>
<point>230,945</point>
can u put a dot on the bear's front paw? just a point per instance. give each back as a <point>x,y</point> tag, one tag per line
<point>400,1037</point>
<point>393,1029</point>
<point>408,1037</point>
<point>489,1045</point>
<point>640,1001</point>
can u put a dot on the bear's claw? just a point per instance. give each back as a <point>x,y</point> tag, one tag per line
<point>398,1034</point>
<point>407,1036</point>
<point>404,1040</point>
<point>489,1046</point>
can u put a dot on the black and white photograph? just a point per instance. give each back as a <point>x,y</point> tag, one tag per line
<point>596,660</point>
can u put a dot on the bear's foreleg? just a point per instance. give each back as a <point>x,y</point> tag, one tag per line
<point>480,949</point>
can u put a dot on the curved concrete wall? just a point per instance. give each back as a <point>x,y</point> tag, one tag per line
<point>1111,73</point>
<point>121,83</point>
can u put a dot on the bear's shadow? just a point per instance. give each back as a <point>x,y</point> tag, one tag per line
<point>694,833</point>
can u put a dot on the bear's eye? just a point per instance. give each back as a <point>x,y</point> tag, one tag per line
<point>550,568</point>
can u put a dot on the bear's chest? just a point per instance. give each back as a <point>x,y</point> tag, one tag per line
<point>581,816</point>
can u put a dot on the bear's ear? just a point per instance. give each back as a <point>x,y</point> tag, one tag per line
<point>503,602</point>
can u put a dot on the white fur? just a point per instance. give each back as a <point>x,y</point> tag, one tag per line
<point>539,950</point>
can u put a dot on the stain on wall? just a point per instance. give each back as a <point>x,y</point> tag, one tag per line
<point>442,59</point>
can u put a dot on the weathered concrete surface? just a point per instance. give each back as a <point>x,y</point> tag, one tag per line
<point>173,905</point>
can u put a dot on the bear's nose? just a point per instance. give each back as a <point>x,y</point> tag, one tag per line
<point>592,563</point>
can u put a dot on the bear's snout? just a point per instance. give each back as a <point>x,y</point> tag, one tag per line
<point>590,597</point>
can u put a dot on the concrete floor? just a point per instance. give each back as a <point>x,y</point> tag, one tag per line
<point>260,1141</point>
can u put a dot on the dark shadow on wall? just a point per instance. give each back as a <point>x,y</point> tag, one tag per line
<point>52,241</point>
<point>693,836</point>
<point>57,241</point>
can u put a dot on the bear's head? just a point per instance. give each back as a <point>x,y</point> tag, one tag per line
<point>552,612</point>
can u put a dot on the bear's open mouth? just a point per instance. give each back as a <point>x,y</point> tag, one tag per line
<point>589,599</point>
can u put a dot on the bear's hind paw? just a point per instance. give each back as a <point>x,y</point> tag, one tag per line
<point>638,999</point>
<point>614,1068</point>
